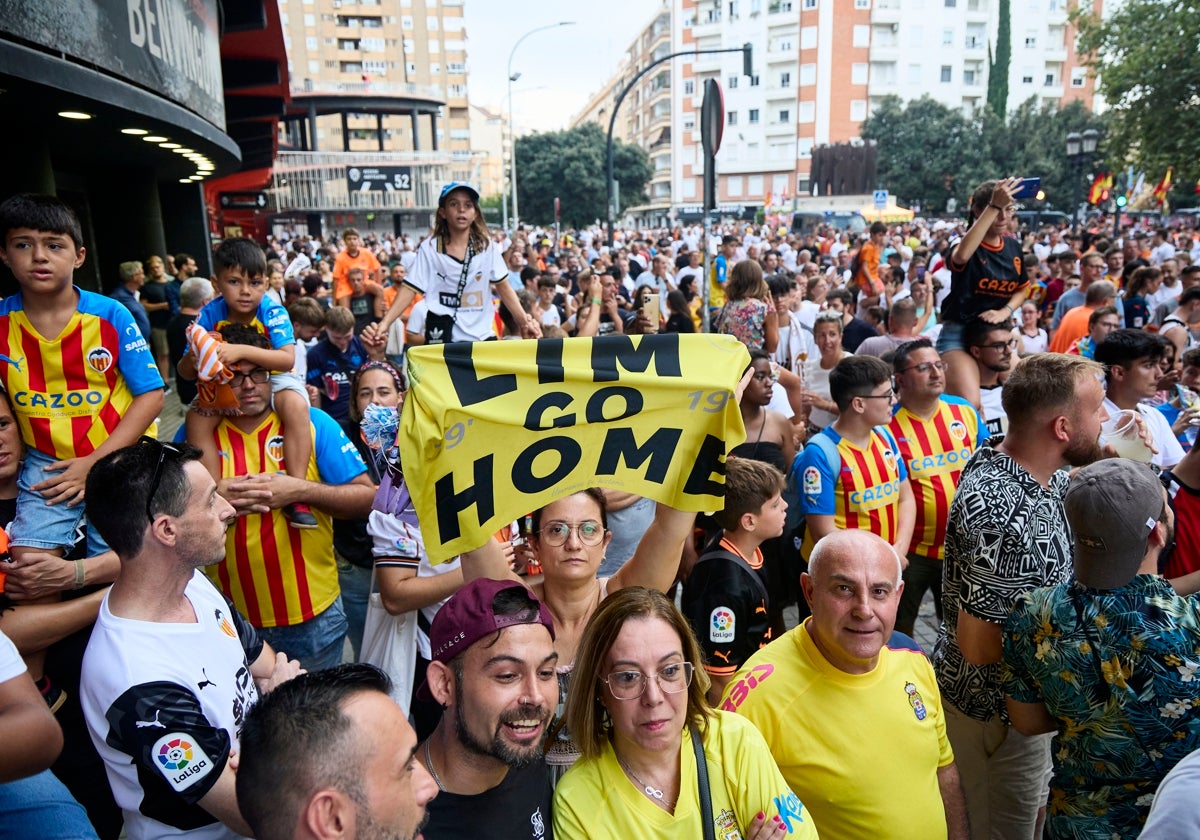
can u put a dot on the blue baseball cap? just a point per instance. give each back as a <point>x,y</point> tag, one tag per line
<point>458,185</point>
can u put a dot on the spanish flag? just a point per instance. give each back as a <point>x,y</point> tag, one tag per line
<point>1102,182</point>
<point>1160,192</point>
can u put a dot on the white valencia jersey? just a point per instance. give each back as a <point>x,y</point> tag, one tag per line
<point>164,704</point>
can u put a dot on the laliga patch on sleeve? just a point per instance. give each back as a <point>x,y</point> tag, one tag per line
<point>812,482</point>
<point>181,760</point>
<point>721,625</point>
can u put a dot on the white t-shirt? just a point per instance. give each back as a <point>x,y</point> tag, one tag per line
<point>11,663</point>
<point>164,704</point>
<point>796,345</point>
<point>816,379</point>
<point>993,411</point>
<point>1173,814</point>
<point>1170,452</point>
<point>416,318</point>
<point>436,275</point>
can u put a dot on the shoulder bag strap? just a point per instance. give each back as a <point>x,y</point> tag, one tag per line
<point>706,812</point>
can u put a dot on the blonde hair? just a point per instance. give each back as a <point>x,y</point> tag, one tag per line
<point>586,716</point>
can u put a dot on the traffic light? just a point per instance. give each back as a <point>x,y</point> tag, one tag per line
<point>1103,195</point>
<point>1121,201</point>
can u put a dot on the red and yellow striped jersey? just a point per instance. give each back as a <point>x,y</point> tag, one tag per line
<point>862,491</point>
<point>276,575</point>
<point>935,451</point>
<point>69,392</point>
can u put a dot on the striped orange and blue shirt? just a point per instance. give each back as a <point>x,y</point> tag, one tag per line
<point>862,491</point>
<point>278,576</point>
<point>70,391</point>
<point>935,452</point>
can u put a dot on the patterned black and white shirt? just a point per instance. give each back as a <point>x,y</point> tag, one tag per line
<point>1007,534</point>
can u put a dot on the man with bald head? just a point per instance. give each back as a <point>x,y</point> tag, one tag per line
<point>830,687</point>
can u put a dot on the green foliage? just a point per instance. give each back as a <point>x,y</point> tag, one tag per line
<point>1146,55</point>
<point>928,153</point>
<point>571,165</point>
<point>997,94</point>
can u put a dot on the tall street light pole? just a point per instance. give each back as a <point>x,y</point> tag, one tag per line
<point>1080,148</point>
<point>512,146</point>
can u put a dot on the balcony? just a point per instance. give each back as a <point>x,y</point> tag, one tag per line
<point>318,180</point>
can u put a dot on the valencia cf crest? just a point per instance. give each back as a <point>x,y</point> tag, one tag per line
<point>275,449</point>
<point>100,359</point>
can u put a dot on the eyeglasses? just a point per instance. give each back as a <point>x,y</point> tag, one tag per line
<point>590,532</point>
<point>925,367</point>
<point>163,449</point>
<point>257,376</point>
<point>1011,344</point>
<point>889,394</point>
<point>630,685</point>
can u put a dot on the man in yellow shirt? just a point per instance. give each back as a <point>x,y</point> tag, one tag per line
<point>856,727</point>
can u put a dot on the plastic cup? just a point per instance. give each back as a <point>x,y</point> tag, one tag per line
<point>1121,433</point>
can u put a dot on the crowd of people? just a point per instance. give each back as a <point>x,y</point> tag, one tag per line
<point>928,408</point>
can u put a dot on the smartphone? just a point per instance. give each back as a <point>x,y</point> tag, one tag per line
<point>651,306</point>
<point>1029,188</point>
<point>921,271</point>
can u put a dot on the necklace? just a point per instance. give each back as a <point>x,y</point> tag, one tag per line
<point>651,791</point>
<point>432,772</point>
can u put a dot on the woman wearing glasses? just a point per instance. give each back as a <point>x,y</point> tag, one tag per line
<point>569,537</point>
<point>642,724</point>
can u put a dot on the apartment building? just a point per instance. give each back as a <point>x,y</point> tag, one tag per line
<point>819,67</point>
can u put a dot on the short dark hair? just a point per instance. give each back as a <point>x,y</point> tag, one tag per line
<point>878,227</point>
<point>749,485</point>
<point>46,213</point>
<point>902,353</point>
<point>779,285</point>
<point>243,253</point>
<point>1124,347</point>
<point>977,330</point>
<point>118,487</point>
<point>1191,358</point>
<point>844,295</point>
<point>181,259</point>
<point>529,272</point>
<point>244,334</point>
<point>1099,313</point>
<point>855,376</point>
<point>298,739</point>
<point>1189,295</point>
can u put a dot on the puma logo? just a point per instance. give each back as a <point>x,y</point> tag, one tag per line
<point>146,724</point>
<point>205,682</point>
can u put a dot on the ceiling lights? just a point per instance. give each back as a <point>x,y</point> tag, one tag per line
<point>74,115</point>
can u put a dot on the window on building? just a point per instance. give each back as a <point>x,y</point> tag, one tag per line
<point>1031,40</point>
<point>804,147</point>
<point>808,75</point>
<point>969,77</point>
<point>947,37</point>
<point>862,4</point>
<point>731,118</point>
<point>807,112</point>
<point>1051,80</point>
<point>310,20</point>
<point>785,116</point>
<point>1027,78</point>
<point>947,72</point>
<point>435,69</point>
<point>785,79</point>
<point>1078,78</point>
<point>734,9</point>
<point>914,74</point>
<point>808,37</point>
<point>785,44</point>
<point>752,117</point>
<point>431,23</point>
<point>406,21</point>
<point>862,36</point>
<point>858,110</point>
<point>733,186</point>
<point>858,73</point>
<point>810,4</point>
<point>733,82</point>
<point>950,4</point>
<point>689,87</point>
<point>754,81</point>
<point>689,187</point>
<point>434,46</point>
<point>312,44</point>
<point>314,66</point>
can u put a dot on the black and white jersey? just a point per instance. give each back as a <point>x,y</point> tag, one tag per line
<point>164,704</point>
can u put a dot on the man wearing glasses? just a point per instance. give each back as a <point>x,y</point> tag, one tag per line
<point>283,580</point>
<point>991,346</point>
<point>851,474</point>
<point>493,673</point>
<point>937,434</point>
<point>171,668</point>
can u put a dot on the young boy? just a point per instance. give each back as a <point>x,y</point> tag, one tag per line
<point>725,597</point>
<point>81,379</point>
<point>242,283</point>
<point>366,306</point>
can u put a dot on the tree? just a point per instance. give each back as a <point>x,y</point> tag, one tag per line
<point>571,166</point>
<point>997,94</point>
<point>1146,56</point>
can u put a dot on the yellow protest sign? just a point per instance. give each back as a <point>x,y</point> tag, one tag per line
<point>492,430</point>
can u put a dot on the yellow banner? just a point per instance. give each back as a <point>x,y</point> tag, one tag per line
<point>492,430</point>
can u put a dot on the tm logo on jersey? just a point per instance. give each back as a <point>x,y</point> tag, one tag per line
<point>181,761</point>
<point>722,625</point>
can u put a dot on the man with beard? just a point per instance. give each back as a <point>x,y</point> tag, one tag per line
<point>492,671</point>
<point>330,754</point>
<point>1007,534</point>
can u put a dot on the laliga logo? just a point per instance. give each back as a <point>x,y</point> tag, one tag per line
<point>176,754</point>
<point>100,359</point>
<point>275,449</point>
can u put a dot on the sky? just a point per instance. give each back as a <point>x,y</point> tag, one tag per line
<point>560,67</point>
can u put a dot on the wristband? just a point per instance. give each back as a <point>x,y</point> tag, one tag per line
<point>80,573</point>
<point>1009,307</point>
<point>596,300</point>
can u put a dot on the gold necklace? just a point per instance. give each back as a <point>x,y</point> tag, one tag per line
<point>651,791</point>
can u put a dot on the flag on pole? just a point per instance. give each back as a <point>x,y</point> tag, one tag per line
<point>1102,182</point>
<point>1160,192</point>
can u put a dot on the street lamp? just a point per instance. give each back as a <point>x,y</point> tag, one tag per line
<point>512,148</point>
<point>1080,149</point>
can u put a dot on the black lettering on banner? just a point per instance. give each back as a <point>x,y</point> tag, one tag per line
<point>468,387</point>
<point>549,361</point>
<point>523,479</point>
<point>608,351</point>
<point>620,445</point>
<point>594,413</point>
<point>537,408</point>
<point>450,504</point>
<point>449,299</point>
<point>708,463</point>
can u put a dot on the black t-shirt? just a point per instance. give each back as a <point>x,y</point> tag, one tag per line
<point>855,333</point>
<point>363,308</point>
<point>156,293</point>
<point>988,280</point>
<point>678,323</point>
<point>516,809</point>
<point>724,602</point>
